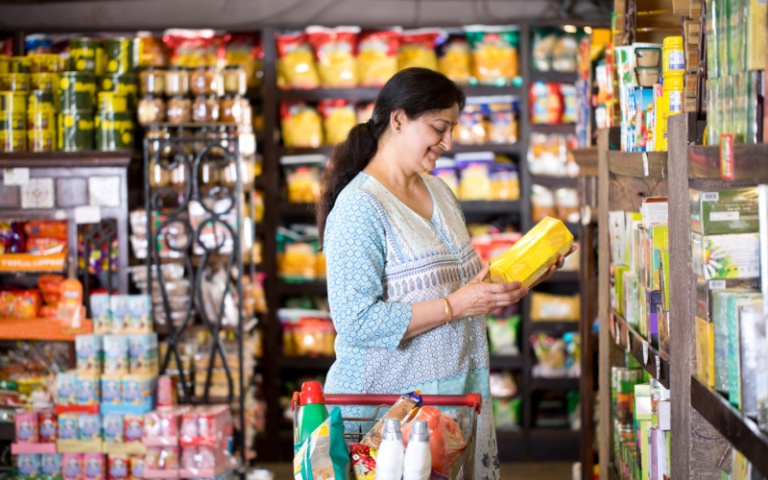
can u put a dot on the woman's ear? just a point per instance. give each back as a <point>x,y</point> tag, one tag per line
<point>397,119</point>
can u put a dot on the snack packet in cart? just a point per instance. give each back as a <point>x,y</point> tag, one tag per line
<point>324,454</point>
<point>363,460</point>
<point>401,410</point>
<point>446,441</point>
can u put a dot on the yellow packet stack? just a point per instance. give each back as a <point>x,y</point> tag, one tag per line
<point>533,254</point>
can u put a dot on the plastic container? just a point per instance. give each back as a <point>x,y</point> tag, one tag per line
<point>647,56</point>
<point>673,104</point>
<point>389,461</point>
<point>312,412</point>
<point>673,56</point>
<point>647,76</point>
<point>417,464</point>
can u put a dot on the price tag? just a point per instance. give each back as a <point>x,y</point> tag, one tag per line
<point>629,342</point>
<point>60,215</point>
<point>716,284</point>
<point>646,169</point>
<point>726,156</point>
<point>645,352</point>
<point>87,214</point>
<point>15,176</point>
<point>658,367</point>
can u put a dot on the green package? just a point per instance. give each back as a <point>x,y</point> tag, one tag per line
<point>754,92</point>
<point>719,212</point>
<point>705,290</point>
<point>734,345</point>
<point>727,93</point>
<point>630,297</point>
<point>740,108</point>
<point>713,36</point>
<point>720,327</point>
<point>713,135</point>
<point>719,104</point>
<point>617,294</point>
<point>506,412</point>
<point>325,449</point>
<point>659,240</point>
<point>726,256</point>
<point>722,45</point>
<point>502,335</point>
<point>735,18</point>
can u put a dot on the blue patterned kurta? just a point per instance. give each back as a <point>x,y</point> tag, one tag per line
<point>382,257</point>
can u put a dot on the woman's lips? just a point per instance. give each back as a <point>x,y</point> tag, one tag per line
<point>436,153</point>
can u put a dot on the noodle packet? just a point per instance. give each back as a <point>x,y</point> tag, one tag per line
<point>494,51</point>
<point>377,56</point>
<point>455,59</point>
<point>301,125</point>
<point>339,116</point>
<point>418,48</point>
<point>403,409</point>
<point>335,54</point>
<point>296,61</point>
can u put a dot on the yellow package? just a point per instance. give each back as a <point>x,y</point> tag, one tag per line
<point>302,174</point>
<point>339,116</point>
<point>296,62</point>
<point>335,55</point>
<point>530,258</point>
<point>455,60</point>
<point>705,350</point>
<point>555,308</point>
<point>494,51</point>
<point>417,49</point>
<point>301,125</point>
<point>377,57</point>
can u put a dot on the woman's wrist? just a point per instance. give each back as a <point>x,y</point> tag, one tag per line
<point>452,307</point>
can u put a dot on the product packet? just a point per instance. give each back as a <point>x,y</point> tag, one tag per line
<point>335,55</point>
<point>400,410</point>
<point>377,56</point>
<point>324,454</point>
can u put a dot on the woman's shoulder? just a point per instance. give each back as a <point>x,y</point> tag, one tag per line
<point>354,201</point>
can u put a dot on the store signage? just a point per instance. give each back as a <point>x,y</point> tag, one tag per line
<point>87,214</point>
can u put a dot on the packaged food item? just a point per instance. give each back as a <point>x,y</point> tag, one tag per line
<point>494,52</point>
<point>19,303</point>
<point>50,466</point>
<point>542,44</point>
<point>556,308</point>
<point>66,388</point>
<point>179,109</point>
<point>88,389</point>
<point>72,466</point>
<point>121,315</point>
<point>46,246</point>
<point>133,428</point>
<point>140,314</point>
<point>324,454</point>
<point>507,412</point>
<point>564,54</point>
<point>556,357</point>
<point>568,94</point>
<point>48,425</point>
<point>115,354</point>
<point>112,428</point>
<point>205,80</point>
<point>152,81</point>
<point>471,128</point>
<point>117,466</point>
<point>89,426</point>
<point>363,460</point>
<point>546,103</point>
<point>339,117</point>
<point>446,442</point>
<point>445,170</point>
<point>502,335</point>
<point>296,61</point>
<point>137,389</point>
<point>400,410</point>
<point>205,109</point>
<point>143,353</point>
<point>542,203</point>
<point>302,173</point>
<point>475,181</point>
<point>94,466</point>
<point>567,205</point>
<point>724,211</point>
<point>726,256</point>
<point>377,56</point>
<point>176,81</point>
<point>27,430</point>
<point>455,59</point>
<point>503,125</point>
<point>11,238</point>
<point>137,466</point>
<point>417,48</point>
<point>28,465</point>
<point>530,258</point>
<point>235,81</point>
<point>151,109</point>
<point>547,156</point>
<point>245,50</point>
<point>505,183</point>
<point>335,55</point>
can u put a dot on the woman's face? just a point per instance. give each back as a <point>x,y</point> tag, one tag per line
<point>422,141</point>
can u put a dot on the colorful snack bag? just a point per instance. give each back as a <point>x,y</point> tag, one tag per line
<point>121,314</point>
<point>494,51</point>
<point>26,426</point>
<point>115,354</point>
<point>133,428</point>
<point>301,125</point>
<point>111,386</point>
<point>503,125</point>
<point>48,425</point>
<point>336,55</point>
<point>94,466</point>
<point>72,466</point>
<point>22,304</point>
<point>49,284</point>
<point>137,466</point>
<point>46,228</point>
<point>363,460</point>
<point>377,57</point>
<point>88,389</point>
<point>112,428</point>
<point>89,354</point>
<point>455,59</point>
<point>50,465</point>
<point>101,313</point>
<point>46,245</point>
<point>417,48</point>
<point>28,465</point>
<point>295,61</point>
<point>68,426</point>
<point>140,314</point>
<point>142,353</point>
<point>117,465</point>
<point>339,117</point>
<point>89,426</point>
<point>324,454</point>
<point>400,410</point>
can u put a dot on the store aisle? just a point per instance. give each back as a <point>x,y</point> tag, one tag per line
<point>509,471</point>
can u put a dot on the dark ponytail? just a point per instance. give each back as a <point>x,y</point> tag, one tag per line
<point>415,90</point>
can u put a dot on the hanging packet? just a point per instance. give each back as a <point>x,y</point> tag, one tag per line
<point>377,56</point>
<point>295,61</point>
<point>417,48</point>
<point>335,54</point>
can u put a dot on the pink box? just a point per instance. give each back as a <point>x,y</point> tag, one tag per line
<point>94,466</point>
<point>72,466</point>
<point>32,448</point>
<point>26,426</point>
<point>161,458</point>
<point>205,425</point>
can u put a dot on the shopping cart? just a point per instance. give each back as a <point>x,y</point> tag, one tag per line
<point>464,466</point>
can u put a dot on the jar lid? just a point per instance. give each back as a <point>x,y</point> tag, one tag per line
<point>151,68</point>
<point>176,68</point>
<point>205,67</point>
<point>228,96</point>
<point>206,97</point>
<point>233,67</point>
<point>178,97</point>
<point>150,96</point>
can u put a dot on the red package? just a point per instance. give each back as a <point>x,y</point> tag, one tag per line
<point>377,57</point>
<point>194,48</point>
<point>49,285</point>
<point>46,228</point>
<point>19,303</point>
<point>47,311</point>
<point>445,439</point>
<point>336,55</point>
<point>46,245</point>
<point>363,461</point>
<point>47,425</point>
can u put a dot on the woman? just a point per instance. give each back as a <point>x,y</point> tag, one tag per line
<point>405,285</point>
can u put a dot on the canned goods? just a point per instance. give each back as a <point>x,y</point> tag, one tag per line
<point>76,91</point>
<point>41,120</point>
<point>12,121</point>
<point>75,130</point>
<point>82,54</point>
<point>46,82</point>
<point>118,52</point>
<point>13,102</point>
<point>112,102</point>
<point>13,140</point>
<point>20,65</point>
<point>40,100</point>
<point>41,140</point>
<point>5,64</point>
<point>121,84</point>
<point>45,63</point>
<point>114,131</point>
<point>14,82</point>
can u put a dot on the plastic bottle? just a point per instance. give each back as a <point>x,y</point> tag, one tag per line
<point>389,461</point>
<point>312,411</point>
<point>418,456</point>
<point>70,306</point>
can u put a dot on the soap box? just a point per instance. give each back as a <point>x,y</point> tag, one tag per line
<point>89,354</point>
<point>72,466</point>
<point>111,385</point>
<point>718,212</point>
<point>94,466</point>
<point>140,314</point>
<point>726,256</point>
<point>88,389</point>
<point>112,428</point>
<point>50,466</point>
<point>115,354</point>
<point>89,426</point>
<point>121,314</point>
<point>102,316</point>
<point>68,426</point>
<point>142,353</point>
<point>66,388</point>
<point>28,465</point>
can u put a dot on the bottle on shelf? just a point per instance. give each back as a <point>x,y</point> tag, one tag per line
<point>418,457</point>
<point>70,306</point>
<point>389,461</point>
<point>312,411</point>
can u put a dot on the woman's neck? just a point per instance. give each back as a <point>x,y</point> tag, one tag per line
<point>384,167</point>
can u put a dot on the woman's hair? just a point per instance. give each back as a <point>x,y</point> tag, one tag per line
<point>415,90</point>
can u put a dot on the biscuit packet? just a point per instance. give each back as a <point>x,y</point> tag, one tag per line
<point>403,409</point>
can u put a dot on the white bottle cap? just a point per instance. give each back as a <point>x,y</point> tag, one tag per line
<point>391,430</point>
<point>420,431</point>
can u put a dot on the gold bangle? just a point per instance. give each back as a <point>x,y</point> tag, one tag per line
<point>448,313</point>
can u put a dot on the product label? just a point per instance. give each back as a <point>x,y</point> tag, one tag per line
<point>676,60</point>
<point>726,156</point>
<point>723,216</point>
<point>710,196</point>
<point>675,102</point>
<point>716,284</point>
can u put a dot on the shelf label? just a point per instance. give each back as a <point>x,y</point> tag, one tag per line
<point>658,367</point>
<point>617,334</point>
<point>645,164</point>
<point>15,176</point>
<point>726,156</point>
<point>87,214</point>
<point>60,215</point>
<point>645,352</point>
<point>629,342</point>
<point>716,284</point>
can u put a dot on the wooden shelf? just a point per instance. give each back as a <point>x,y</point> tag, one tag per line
<point>559,77</point>
<point>554,182</point>
<point>494,207</point>
<point>741,431</point>
<point>49,329</point>
<point>660,370</point>
<point>89,159</point>
<point>586,158</point>
<point>750,162</point>
<point>318,287</point>
<point>638,164</point>
<point>554,327</point>
<point>506,362</point>
<point>327,150</point>
<point>305,363</point>
<point>546,384</point>
<point>562,128</point>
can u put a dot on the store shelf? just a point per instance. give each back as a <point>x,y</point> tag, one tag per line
<point>26,262</point>
<point>327,150</point>
<point>360,94</point>
<point>507,362</point>
<point>554,327</point>
<point>559,77</point>
<point>554,182</point>
<point>318,287</point>
<point>50,329</point>
<point>741,431</point>
<point>490,207</point>
<point>194,124</point>
<point>253,94</point>
<point>586,158</point>
<point>7,431</point>
<point>510,445</point>
<point>750,162</point>
<point>563,277</point>
<point>546,384</point>
<point>638,164</point>
<point>485,90</point>
<point>559,128</point>
<point>554,444</point>
<point>305,363</point>
<point>88,159</point>
<point>655,365</point>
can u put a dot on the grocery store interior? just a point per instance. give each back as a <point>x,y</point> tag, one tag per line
<point>210,268</point>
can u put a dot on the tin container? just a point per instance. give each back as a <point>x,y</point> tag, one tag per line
<point>121,84</point>
<point>41,120</point>
<point>12,121</point>
<point>14,82</point>
<point>75,130</point>
<point>44,63</point>
<point>48,425</point>
<point>47,82</point>
<point>13,140</point>
<point>672,55</point>
<point>82,54</point>
<point>72,466</point>
<point>40,100</point>
<point>117,53</point>
<point>41,140</point>
<point>94,466</point>
<point>100,68</point>
<point>112,102</point>
<point>137,48</point>
<point>114,131</point>
<point>20,65</point>
<point>77,91</point>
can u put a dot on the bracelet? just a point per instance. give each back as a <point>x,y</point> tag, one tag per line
<point>448,313</point>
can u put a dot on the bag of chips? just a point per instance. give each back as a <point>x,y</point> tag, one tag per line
<point>454,59</point>
<point>339,117</point>
<point>494,51</point>
<point>296,61</point>
<point>446,442</point>
<point>503,125</point>
<point>335,54</point>
<point>300,124</point>
<point>377,56</point>
<point>417,48</point>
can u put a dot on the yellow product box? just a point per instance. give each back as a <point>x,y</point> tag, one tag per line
<point>532,255</point>
<point>617,290</point>
<point>705,352</point>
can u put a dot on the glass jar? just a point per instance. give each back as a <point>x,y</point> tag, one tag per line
<point>151,109</point>
<point>179,174</point>
<point>152,81</point>
<point>245,106</point>
<point>179,109</point>
<point>158,176</point>
<point>231,109</point>
<point>235,81</point>
<point>205,81</point>
<point>227,175</point>
<point>208,174</point>
<point>176,81</point>
<point>156,134</point>
<point>205,109</point>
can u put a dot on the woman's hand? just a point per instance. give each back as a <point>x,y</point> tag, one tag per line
<point>479,298</point>
<point>554,267</point>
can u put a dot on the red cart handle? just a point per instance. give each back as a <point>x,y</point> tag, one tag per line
<point>472,400</point>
